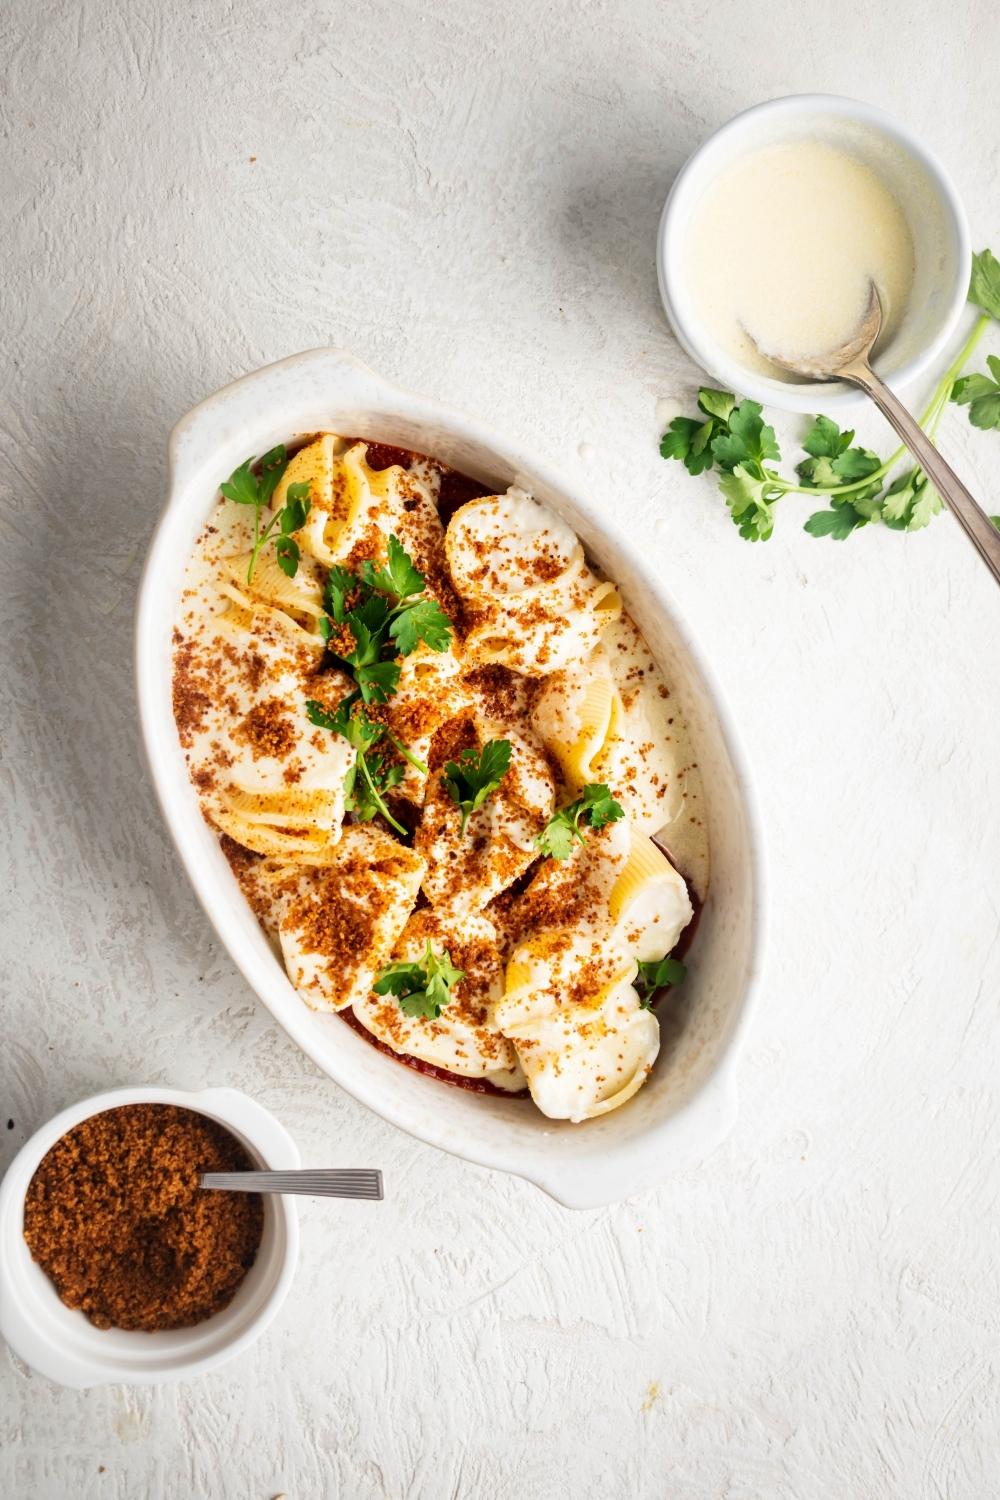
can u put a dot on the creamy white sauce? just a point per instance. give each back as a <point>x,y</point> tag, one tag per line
<point>781,249</point>
<point>581,1040</point>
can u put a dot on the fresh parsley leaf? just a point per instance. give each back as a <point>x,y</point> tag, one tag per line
<point>749,500</point>
<point>476,775</point>
<point>838,522</point>
<point>984,285</point>
<point>422,987</point>
<point>599,807</point>
<point>655,974</point>
<point>398,577</point>
<point>370,616</point>
<point>382,629</point>
<point>356,728</point>
<point>867,502</point>
<point>910,502</point>
<point>594,807</point>
<point>247,488</point>
<point>558,836</point>
<point>735,436</point>
<point>700,453</point>
<point>996,521</point>
<point>818,473</point>
<point>369,778</point>
<point>287,552</point>
<point>717,404</point>
<point>242,486</point>
<point>676,441</point>
<point>825,473</point>
<point>690,438</point>
<point>972,388</point>
<point>272,467</point>
<point>377,678</point>
<point>749,441</point>
<point>296,508</point>
<point>423,621</point>
<point>338,585</point>
<point>981,394</point>
<point>690,441</point>
<point>279,530</point>
<point>825,439</point>
<point>658,974</point>
<point>856,463</point>
<point>363,793</point>
<point>367,647</point>
<point>378,681</point>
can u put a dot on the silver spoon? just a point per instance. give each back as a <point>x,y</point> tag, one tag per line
<point>851,362</point>
<point>333,1182</point>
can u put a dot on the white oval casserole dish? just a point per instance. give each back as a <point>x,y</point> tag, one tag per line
<point>689,1104</point>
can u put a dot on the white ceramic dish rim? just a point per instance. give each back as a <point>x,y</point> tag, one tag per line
<point>60,1343</point>
<point>249,416</point>
<point>683,318</point>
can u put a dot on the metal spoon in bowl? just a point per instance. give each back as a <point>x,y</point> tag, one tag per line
<point>334,1182</point>
<point>851,362</point>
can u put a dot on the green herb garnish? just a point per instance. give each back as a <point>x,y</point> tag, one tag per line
<point>369,778</point>
<point>397,577</point>
<point>423,986</point>
<point>732,436</point>
<point>421,621</point>
<point>690,438</point>
<point>594,808</point>
<point>476,775</point>
<point>657,974</point>
<point>981,394</point>
<point>390,617</point>
<point>376,675</point>
<point>339,584</point>
<point>244,487</point>
<point>984,283</point>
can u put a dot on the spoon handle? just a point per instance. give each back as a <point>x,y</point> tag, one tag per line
<point>335,1182</point>
<point>974,521</point>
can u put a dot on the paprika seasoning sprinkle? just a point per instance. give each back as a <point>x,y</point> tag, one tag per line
<point>115,1218</point>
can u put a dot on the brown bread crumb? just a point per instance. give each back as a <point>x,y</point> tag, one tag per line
<point>116,1220</point>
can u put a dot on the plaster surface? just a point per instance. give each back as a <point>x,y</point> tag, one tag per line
<point>466,196</point>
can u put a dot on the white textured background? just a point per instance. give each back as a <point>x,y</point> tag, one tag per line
<point>466,195</point>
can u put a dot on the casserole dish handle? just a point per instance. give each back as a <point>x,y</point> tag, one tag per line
<point>209,436</point>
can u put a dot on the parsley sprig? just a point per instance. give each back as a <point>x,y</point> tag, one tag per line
<point>981,394</point>
<point>388,615</point>
<point>368,780</point>
<point>984,283</point>
<point>422,987</point>
<point>657,974</point>
<point>476,775</point>
<point>245,487</point>
<point>595,807</point>
<point>733,436</point>
<point>384,612</point>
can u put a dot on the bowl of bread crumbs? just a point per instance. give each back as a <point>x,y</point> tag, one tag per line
<point>115,1265</point>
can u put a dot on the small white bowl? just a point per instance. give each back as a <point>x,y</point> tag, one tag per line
<point>925,193</point>
<point>62,1344</point>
